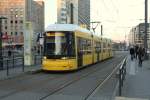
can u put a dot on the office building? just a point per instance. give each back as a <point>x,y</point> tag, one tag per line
<point>74,12</point>
<point>18,12</point>
<point>136,35</point>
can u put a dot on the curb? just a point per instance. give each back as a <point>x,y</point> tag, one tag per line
<point>34,71</point>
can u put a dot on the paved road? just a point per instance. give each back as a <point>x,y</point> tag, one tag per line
<point>55,86</point>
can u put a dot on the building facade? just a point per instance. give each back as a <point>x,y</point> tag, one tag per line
<point>12,27</point>
<point>137,33</point>
<point>84,13</point>
<point>18,12</point>
<point>74,12</point>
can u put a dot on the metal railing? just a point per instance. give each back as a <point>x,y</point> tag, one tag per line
<point>10,62</point>
<point>17,61</point>
<point>122,73</point>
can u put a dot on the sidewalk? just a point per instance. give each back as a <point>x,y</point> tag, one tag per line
<point>17,71</point>
<point>137,83</point>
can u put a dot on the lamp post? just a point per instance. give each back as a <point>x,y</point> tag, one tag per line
<point>146,25</point>
<point>1,53</point>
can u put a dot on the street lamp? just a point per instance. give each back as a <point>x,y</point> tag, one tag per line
<point>146,26</point>
<point>1,53</point>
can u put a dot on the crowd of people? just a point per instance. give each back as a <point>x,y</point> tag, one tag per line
<point>137,53</point>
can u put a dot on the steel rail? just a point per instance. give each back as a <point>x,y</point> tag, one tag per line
<point>91,94</point>
<point>69,83</point>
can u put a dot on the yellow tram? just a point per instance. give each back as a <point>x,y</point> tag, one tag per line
<point>69,47</point>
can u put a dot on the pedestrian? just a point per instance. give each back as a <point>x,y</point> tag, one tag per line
<point>9,53</point>
<point>132,53</point>
<point>141,53</point>
<point>136,51</point>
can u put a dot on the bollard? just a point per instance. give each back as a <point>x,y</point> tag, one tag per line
<point>13,61</point>
<point>35,59</point>
<point>122,75</point>
<point>119,82</point>
<point>1,62</point>
<point>41,59</point>
<point>7,68</point>
<point>22,64</point>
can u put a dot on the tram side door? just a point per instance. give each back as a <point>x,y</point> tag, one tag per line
<point>80,59</point>
<point>79,53</point>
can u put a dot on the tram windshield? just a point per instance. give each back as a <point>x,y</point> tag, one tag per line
<point>59,44</point>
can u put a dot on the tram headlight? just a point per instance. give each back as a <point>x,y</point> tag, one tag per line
<point>64,58</point>
<point>44,57</point>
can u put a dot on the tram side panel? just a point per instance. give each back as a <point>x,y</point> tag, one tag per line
<point>84,49</point>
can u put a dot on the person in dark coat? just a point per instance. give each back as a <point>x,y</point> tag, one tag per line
<point>141,53</point>
<point>9,53</point>
<point>132,53</point>
<point>136,51</point>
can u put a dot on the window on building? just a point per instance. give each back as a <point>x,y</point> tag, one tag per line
<point>16,15</point>
<point>16,33</point>
<point>5,21</point>
<point>21,15</point>
<point>16,9</point>
<point>11,9</point>
<point>62,14</point>
<point>21,33</point>
<point>21,27</point>
<point>11,21</point>
<point>16,27</point>
<point>21,21</point>
<point>21,10</point>
<point>11,33</point>
<point>16,21</point>
<point>5,27</point>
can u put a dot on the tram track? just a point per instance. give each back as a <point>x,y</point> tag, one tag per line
<point>31,84</point>
<point>77,76</point>
<point>73,81</point>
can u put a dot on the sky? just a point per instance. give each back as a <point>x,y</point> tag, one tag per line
<point>116,16</point>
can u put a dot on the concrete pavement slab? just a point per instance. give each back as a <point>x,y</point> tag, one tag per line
<point>137,83</point>
<point>125,98</point>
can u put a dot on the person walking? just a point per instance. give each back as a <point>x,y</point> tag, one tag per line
<point>9,53</point>
<point>132,53</point>
<point>141,53</point>
<point>136,51</point>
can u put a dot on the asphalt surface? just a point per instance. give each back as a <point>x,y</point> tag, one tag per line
<point>76,85</point>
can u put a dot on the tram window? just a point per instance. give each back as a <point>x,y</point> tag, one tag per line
<point>104,45</point>
<point>89,48</point>
<point>71,44</point>
<point>103,50</point>
<point>98,47</point>
<point>59,44</point>
<point>84,45</point>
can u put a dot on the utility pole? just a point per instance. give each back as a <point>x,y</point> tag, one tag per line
<point>94,28</point>
<point>1,53</point>
<point>146,26</point>
<point>71,15</point>
<point>101,30</point>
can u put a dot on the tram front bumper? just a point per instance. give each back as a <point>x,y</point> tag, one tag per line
<point>58,65</point>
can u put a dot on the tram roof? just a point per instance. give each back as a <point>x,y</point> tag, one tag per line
<point>66,27</point>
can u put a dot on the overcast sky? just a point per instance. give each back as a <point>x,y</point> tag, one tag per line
<point>116,16</point>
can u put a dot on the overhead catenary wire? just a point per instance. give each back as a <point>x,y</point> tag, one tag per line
<point>79,14</point>
<point>80,18</point>
<point>83,17</point>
